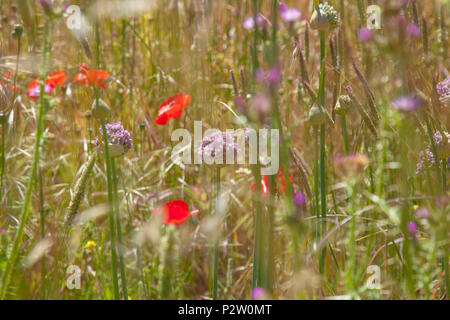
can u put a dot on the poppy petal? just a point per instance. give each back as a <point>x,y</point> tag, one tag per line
<point>175,212</point>
<point>172,108</point>
<point>56,78</point>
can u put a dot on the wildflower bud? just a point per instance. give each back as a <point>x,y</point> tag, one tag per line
<point>317,115</point>
<point>343,105</point>
<point>412,230</point>
<point>17,31</point>
<point>300,200</point>
<point>100,110</point>
<point>324,17</point>
<point>79,190</point>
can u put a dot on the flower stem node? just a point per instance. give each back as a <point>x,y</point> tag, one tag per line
<point>17,31</point>
<point>318,115</point>
<point>100,110</point>
<point>343,105</point>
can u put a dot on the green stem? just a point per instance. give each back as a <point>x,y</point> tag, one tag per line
<point>119,230</point>
<point>4,122</point>
<point>14,253</point>
<point>216,243</point>
<point>258,229</point>
<point>345,134</point>
<point>350,271</point>
<point>322,149</point>
<point>111,214</point>
<point>42,231</point>
<point>2,152</point>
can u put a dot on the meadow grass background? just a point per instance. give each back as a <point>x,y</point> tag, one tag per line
<point>192,46</point>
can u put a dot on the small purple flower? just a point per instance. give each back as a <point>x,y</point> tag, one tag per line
<point>261,21</point>
<point>437,137</point>
<point>300,200</point>
<point>271,77</point>
<point>407,103</point>
<point>426,160</point>
<point>258,293</point>
<point>240,103</point>
<point>443,89</point>
<point>413,30</point>
<point>412,229</point>
<point>289,15</point>
<point>365,34</point>
<point>220,141</point>
<point>119,139</point>
<point>261,104</point>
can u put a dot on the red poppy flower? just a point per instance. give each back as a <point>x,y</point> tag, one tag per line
<point>265,183</point>
<point>90,77</point>
<point>172,108</point>
<point>53,79</point>
<point>56,78</point>
<point>175,212</point>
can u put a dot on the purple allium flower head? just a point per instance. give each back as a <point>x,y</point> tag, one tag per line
<point>407,103</point>
<point>258,293</point>
<point>289,15</point>
<point>443,89</point>
<point>413,30</point>
<point>216,142</point>
<point>300,200</point>
<point>261,21</point>
<point>412,229</point>
<point>365,34</point>
<point>118,138</point>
